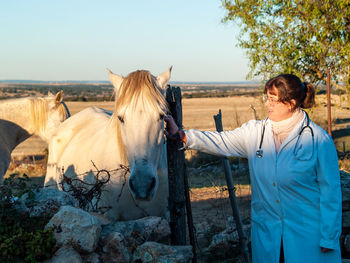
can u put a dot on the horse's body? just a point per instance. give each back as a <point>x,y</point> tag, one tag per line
<point>131,136</point>
<point>21,118</point>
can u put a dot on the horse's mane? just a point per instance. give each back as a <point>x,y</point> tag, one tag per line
<point>121,150</point>
<point>39,113</point>
<point>138,88</point>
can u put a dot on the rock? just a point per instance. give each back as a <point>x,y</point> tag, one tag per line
<point>345,188</point>
<point>91,258</point>
<point>346,219</point>
<point>347,243</point>
<point>65,255</point>
<point>45,202</point>
<point>75,227</point>
<point>152,252</point>
<point>226,244</point>
<point>138,231</point>
<point>103,219</point>
<point>116,249</point>
<point>345,185</point>
<point>230,224</point>
<point>204,232</point>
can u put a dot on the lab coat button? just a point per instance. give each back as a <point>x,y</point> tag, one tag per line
<point>274,184</point>
<point>280,218</point>
<point>277,201</point>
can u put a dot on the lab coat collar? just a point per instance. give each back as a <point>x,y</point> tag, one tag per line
<point>292,135</point>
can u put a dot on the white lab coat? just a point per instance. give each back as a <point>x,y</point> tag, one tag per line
<point>296,194</point>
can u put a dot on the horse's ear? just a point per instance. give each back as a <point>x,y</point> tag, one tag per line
<point>163,78</point>
<point>59,97</point>
<point>115,79</point>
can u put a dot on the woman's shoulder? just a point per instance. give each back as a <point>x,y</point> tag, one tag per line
<point>320,133</point>
<point>253,124</point>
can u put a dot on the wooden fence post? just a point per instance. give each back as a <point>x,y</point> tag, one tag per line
<point>176,160</point>
<point>329,102</point>
<point>232,195</point>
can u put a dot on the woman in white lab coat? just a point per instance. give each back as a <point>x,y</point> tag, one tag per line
<point>293,165</point>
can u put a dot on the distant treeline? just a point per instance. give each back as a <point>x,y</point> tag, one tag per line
<point>220,94</point>
<point>104,92</point>
<point>72,92</point>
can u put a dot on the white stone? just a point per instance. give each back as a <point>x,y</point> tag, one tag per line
<point>46,201</point>
<point>65,255</point>
<point>116,249</point>
<point>150,228</point>
<point>152,252</point>
<point>91,258</point>
<point>77,228</point>
<point>226,244</point>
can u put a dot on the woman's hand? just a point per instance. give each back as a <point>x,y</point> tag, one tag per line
<point>172,132</point>
<point>171,127</point>
<point>325,250</point>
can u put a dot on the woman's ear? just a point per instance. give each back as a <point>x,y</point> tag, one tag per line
<point>292,104</point>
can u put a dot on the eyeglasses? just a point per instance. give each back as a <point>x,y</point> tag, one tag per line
<point>271,100</point>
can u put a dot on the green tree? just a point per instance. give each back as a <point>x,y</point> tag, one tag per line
<point>294,36</point>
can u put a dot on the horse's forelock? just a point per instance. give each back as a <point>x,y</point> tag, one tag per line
<point>140,85</point>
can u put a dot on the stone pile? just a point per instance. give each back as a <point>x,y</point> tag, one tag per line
<point>84,237</point>
<point>91,238</point>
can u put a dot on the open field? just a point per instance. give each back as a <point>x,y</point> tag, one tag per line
<point>198,113</point>
<point>209,196</point>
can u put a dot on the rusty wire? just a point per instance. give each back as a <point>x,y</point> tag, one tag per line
<point>87,194</point>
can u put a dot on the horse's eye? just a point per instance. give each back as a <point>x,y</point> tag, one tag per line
<point>121,119</point>
<point>161,116</point>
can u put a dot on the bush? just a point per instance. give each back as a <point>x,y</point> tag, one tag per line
<point>22,238</point>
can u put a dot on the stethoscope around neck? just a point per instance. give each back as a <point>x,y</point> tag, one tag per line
<point>260,152</point>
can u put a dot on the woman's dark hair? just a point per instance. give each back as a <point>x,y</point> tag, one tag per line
<point>289,88</point>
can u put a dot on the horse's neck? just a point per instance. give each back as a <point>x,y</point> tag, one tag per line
<point>17,112</point>
<point>14,122</point>
<point>11,134</point>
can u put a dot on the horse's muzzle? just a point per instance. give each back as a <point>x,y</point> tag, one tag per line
<point>142,186</point>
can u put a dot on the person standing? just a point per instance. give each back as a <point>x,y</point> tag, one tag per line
<point>294,174</point>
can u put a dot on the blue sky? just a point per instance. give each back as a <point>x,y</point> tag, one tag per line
<point>78,39</point>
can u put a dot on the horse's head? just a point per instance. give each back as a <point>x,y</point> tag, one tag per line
<point>47,113</point>
<point>140,108</point>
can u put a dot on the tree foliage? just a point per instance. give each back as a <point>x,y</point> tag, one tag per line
<point>294,36</point>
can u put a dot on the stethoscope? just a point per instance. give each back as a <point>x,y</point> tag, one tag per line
<point>260,152</point>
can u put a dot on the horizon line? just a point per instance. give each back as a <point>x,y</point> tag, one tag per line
<point>28,81</point>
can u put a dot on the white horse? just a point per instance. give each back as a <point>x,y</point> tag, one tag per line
<point>23,117</point>
<point>95,139</point>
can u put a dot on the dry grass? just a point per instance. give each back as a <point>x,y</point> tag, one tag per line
<point>198,113</point>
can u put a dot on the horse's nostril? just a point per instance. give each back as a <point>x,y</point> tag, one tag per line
<point>153,184</point>
<point>131,185</point>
